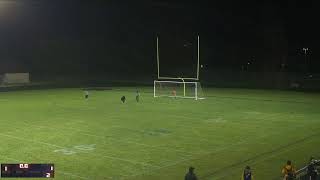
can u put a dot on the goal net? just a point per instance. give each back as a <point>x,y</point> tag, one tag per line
<point>178,89</point>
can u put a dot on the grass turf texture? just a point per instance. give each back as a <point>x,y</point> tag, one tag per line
<point>159,138</point>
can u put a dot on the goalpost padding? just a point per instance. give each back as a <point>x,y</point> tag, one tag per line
<point>191,90</point>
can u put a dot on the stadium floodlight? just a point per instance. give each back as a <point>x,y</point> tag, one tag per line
<point>188,87</point>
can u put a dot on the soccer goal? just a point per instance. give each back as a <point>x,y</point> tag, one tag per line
<point>180,84</point>
<point>178,89</point>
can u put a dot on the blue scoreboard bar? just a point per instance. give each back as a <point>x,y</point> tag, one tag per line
<point>27,170</point>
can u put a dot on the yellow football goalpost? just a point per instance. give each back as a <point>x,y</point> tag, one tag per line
<point>192,82</point>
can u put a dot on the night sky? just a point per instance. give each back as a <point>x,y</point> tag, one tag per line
<point>50,37</point>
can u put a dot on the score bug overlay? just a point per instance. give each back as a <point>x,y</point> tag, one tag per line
<point>27,170</point>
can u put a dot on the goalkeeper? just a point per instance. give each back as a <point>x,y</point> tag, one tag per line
<point>123,99</point>
<point>174,93</point>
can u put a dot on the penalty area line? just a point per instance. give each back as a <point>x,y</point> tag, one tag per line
<point>87,133</point>
<point>198,157</point>
<point>106,156</point>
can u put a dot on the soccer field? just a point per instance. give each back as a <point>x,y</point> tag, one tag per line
<point>159,138</point>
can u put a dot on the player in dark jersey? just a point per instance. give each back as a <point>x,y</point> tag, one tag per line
<point>137,95</point>
<point>190,175</point>
<point>123,99</point>
<point>247,174</point>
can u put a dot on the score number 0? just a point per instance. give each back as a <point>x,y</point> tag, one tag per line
<point>24,166</point>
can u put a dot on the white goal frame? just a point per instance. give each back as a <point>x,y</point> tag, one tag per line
<point>196,97</point>
<point>190,80</point>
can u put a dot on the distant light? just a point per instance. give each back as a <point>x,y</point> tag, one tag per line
<point>187,44</point>
<point>305,50</point>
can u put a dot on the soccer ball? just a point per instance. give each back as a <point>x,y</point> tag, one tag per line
<point>201,66</point>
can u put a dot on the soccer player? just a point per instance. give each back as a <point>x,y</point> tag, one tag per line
<point>190,175</point>
<point>247,174</point>
<point>174,93</point>
<point>288,171</point>
<point>123,99</point>
<point>137,95</point>
<point>86,94</point>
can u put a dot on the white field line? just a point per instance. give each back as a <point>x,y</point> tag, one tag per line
<point>87,133</point>
<point>154,168</point>
<point>74,175</point>
<point>184,160</point>
<point>208,114</point>
<point>173,163</point>
<point>33,141</point>
<point>129,142</point>
<point>124,141</point>
<point>187,138</point>
<point>202,121</point>
<point>62,172</point>
<point>62,147</point>
<point>195,158</point>
<point>261,159</point>
<point>12,159</point>
<point>180,123</point>
<point>269,117</point>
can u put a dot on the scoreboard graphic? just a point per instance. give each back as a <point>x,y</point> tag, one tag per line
<point>27,170</point>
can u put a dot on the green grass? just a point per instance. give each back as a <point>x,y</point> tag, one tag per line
<point>159,138</point>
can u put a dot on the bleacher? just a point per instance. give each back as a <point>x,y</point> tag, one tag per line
<point>301,174</point>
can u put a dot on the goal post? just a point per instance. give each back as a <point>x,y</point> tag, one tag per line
<point>178,89</point>
<point>185,85</point>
